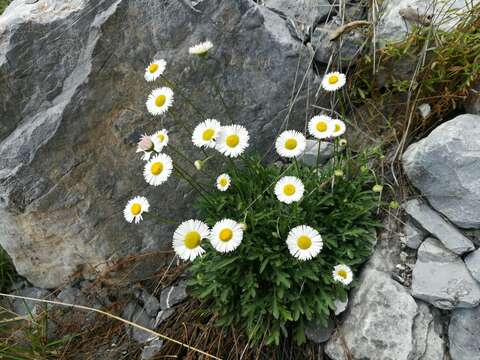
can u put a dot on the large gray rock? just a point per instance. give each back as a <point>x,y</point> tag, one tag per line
<point>380,309</point>
<point>473,264</point>
<point>428,334</point>
<point>73,107</point>
<point>304,12</point>
<point>444,167</point>
<point>319,333</point>
<point>441,278</point>
<point>398,16</point>
<point>464,334</point>
<point>433,223</point>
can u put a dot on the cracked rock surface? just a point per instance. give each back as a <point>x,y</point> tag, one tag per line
<point>73,110</point>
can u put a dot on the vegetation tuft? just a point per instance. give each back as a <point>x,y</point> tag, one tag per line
<point>260,287</point>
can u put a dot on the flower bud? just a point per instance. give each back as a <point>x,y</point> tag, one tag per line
<point>377,188</point>
<point>145,144</point>
<point>338,173</point>
<point>243,226</point>
<point>343,142</point>
<point>198,164</point>
<point>393,205</point>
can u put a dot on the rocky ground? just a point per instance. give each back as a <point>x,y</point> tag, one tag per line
<point>70,119</point>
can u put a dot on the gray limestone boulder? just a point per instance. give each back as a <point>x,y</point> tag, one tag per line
<point>441,278</point>
<point>412,236</point>
<point>380,309</point>
<point>472,261</point>
<point>464,334</point>
<point>73,108</point>
<point>444,167</point>
<point>436,225</point>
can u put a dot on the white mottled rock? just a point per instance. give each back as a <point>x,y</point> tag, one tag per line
<point>428,334</point>
<point>309,156</point>
<point>380,309</point>
<point>393,27</point>
<point>464,334</point>
<point>340,306</point>
<point>444,167</point>
<point>173,295</point>
<point>433,223</point>
<point>441,278</point>
<point>152,349</point>
<point>473,264</point>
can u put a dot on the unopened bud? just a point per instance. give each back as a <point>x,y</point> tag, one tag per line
<point>338,173</point>
<point>393,205</point>
<point>243,226</point>
<point>145,144</point>
<point>343,142</point>
<point>198,164</point>
<point>377,188</point>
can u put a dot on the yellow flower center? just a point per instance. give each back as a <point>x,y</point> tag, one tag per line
<point>160,100</point>
<point>223,182</point>
<point>337,127</point>
<point>156,168</point>
<point>226,234</point>
<point>291,144</point>
<point>342,273</point>
<point>161,137</point>
<point>304,242</point>
<point>152,68</point>
<point>208,134</point>
<point>333,79</point>
<point>192,239</point>
<point>322,126</point>
<point>232,140</point>
<point>136,209</point>
<point>289,189</point>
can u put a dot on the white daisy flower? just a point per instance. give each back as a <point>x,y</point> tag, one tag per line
<point>338,128</point>
<point>321,127</point>
<point>205,133</point>
<point>160,140</point>
<point>159,100</point>
<point>223,182</point>
<point>226,235</point>
<point>333,81</point>
<point>289,189</point>
<point>290,144</point>
<point>232,140</point>
<point>188,237</point>
<point>342,273</point>
<point>158,169</point>
<point>135,208</point>
<point>201,49</point>
<point>304,242</point>
<point>155,69</point>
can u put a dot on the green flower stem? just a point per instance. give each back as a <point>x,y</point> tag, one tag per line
<point>185,98</point>
<point>182,124</point>
<point>160,218</point>
<point>297,167</point>
<point>318,156</point>
<point>195,185</point>
<point>184,157</point>
<point>219,94</point>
